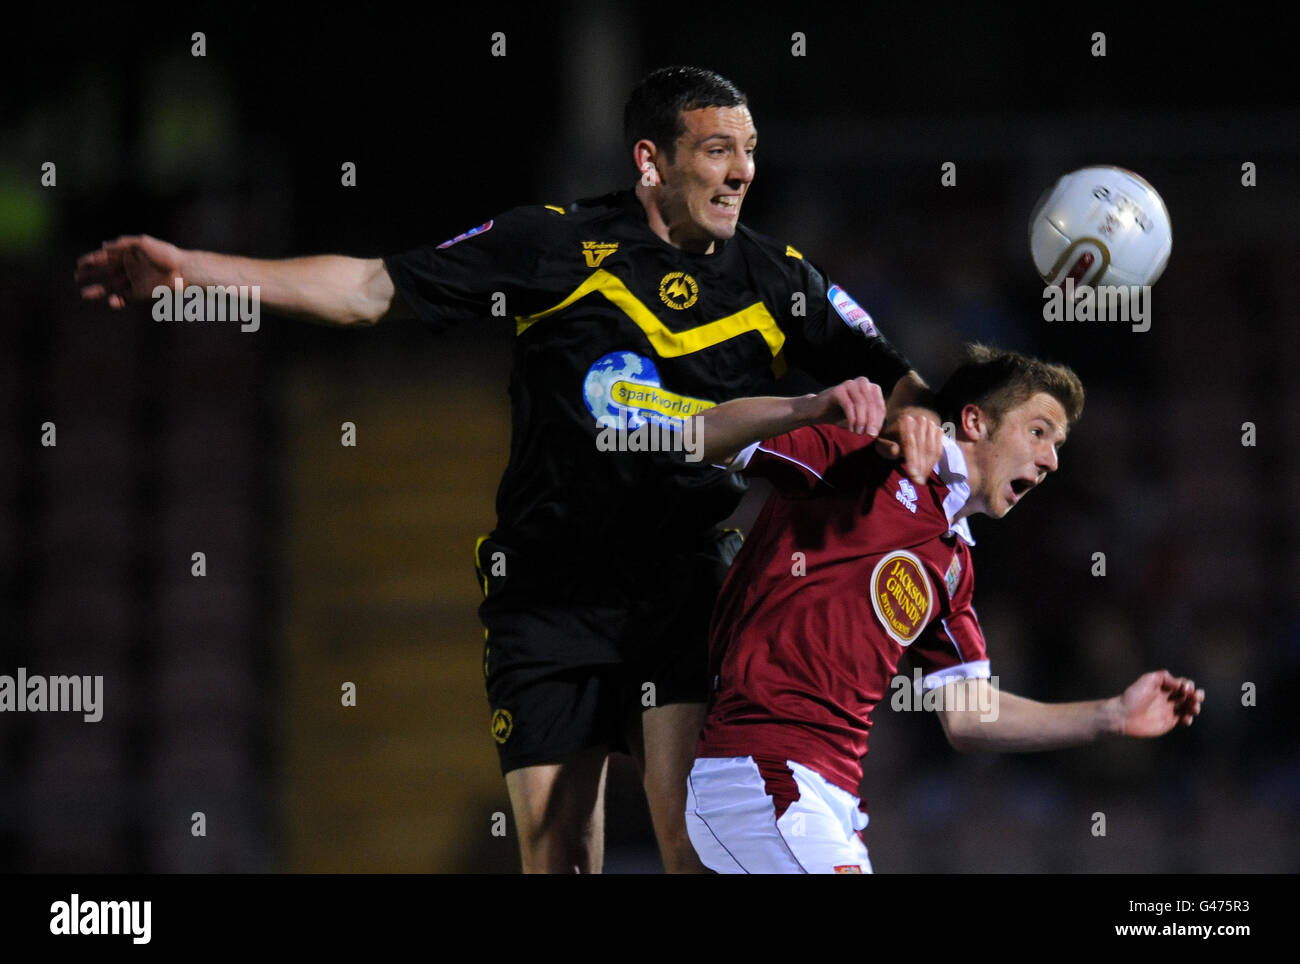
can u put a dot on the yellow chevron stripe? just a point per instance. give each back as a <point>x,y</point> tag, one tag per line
<point>668,344</point>
<point>478,566</point>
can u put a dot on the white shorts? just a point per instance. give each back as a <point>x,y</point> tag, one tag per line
<point>733,825</point>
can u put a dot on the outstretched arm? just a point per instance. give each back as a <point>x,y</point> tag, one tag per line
<point>996,720</point>
<point>857,405</point>
<point>724,430</point>
<point>326,289</point>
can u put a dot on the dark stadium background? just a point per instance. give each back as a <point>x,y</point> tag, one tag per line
<point>329,564</point>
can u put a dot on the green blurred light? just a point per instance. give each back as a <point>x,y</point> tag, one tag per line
<point>24,216</point>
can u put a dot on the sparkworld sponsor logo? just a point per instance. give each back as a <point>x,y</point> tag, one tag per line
<point>53,694</point>
<point>102,917</point>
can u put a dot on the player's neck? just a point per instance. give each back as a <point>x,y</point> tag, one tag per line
<point>974,503</point>
<point>660,227</point>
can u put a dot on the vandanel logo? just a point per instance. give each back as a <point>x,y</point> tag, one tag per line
<point>597,251</point>
<point>678,290</point>
<point>901,596</point>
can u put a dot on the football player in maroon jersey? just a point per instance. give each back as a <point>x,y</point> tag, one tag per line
<point>849,565</point>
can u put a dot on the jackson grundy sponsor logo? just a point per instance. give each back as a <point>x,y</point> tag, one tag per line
<point>901,595</point>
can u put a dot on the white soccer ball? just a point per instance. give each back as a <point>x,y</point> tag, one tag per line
<point>1100,226</point>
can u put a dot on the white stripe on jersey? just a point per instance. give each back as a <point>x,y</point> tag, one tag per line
<point>977,669</point>
<point>747,453</point>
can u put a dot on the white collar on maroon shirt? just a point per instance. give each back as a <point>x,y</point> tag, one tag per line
<point>951,469</point>
<point>952,472</point>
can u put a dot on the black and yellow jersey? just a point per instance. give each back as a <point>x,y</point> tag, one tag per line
<point>615,327</point>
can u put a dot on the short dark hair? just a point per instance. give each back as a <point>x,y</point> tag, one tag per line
<point>997,381</point>
<point>654,111</point>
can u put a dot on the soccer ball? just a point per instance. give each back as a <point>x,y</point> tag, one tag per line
<point>1100,226</point>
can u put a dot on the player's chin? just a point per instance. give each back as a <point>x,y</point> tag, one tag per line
<point>723,230</point>
<point>1010,499</point>
<point>721,225</point>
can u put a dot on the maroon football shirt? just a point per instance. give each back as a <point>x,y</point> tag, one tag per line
<point>847,566</point>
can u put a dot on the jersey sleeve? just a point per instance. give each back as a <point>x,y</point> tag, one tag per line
<point>837,339</point>
<point>798,460</point>
<point>952,646</point>
<point>466,277</point>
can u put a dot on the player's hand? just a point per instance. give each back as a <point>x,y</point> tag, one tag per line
<point>1157,702</point>
<point>857,405</point>
<point>914,436</point>
<point>128,269</point>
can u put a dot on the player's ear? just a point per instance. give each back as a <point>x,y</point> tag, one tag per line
<point>645,157</point>
<point>973,421</point>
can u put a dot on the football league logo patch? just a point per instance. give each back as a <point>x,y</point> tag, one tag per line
<point>854,315</point>
<point>485,226</point>
<point>953,575</point>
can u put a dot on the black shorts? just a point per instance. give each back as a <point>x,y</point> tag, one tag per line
<point>565,676</point>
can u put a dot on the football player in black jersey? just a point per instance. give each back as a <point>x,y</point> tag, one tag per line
<point>639,308</point>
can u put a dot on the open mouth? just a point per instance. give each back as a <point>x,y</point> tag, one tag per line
<point>1019,487</point>
<point>727,202</point>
